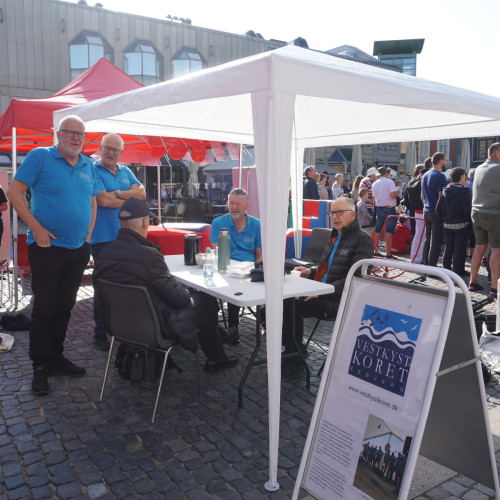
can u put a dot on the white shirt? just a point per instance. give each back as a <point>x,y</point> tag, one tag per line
<point>382,189</point>
<point>337,190</point>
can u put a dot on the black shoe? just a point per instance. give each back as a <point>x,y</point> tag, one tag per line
<point>464,274</point>
<point>40,383</point>
<point>215,366</point>
<point>101,342</point>
<point>231,335</point>
<point>292,370</point>
<point>474,287</point>
<point>64,367</point>
<point>391,257</point>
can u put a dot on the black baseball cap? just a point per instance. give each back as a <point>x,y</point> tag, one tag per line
<point>134,208</point>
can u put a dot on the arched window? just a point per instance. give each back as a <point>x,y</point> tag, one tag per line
<point>142,62</point>
<point>187,61</point>
<point>85,50</point>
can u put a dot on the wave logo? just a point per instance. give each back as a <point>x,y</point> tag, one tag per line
<point>384,348</point>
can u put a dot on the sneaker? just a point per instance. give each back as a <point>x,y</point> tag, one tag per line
<point>215,366</point>
<point>101,342</point>
<point>40,383</point>
<point>231,335</point>
<point>64,367</point>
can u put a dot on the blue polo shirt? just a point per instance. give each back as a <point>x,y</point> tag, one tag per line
<point>243,244</point>
<point>61,195</point>
<point>107,224</point>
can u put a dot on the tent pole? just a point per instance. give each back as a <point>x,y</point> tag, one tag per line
<point>158,175</point>
<point>241,163</point>
<point>14,220</point>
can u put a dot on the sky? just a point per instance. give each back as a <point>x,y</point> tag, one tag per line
<point>461,36</point>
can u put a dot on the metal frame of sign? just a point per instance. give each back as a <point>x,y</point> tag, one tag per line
<point>457,445</point>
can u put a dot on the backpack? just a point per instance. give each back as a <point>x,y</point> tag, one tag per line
<point>412,199</point>
<point>138,363</point>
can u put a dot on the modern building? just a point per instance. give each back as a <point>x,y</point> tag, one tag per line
<point>399,53</point>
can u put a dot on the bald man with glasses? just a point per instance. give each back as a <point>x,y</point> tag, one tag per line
<point>116,184</point>
<point>349,244</point>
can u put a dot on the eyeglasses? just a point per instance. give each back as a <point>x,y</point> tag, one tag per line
<point>339,213</point>
<point>74,133</point>
<point>111,150</point>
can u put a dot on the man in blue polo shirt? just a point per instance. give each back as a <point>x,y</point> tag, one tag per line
<point>246,245</point>
<point>116,183</point>
<point>63,207</point>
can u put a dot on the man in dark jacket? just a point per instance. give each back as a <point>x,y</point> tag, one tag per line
<point>349,244</point>
<point>133,260</point>
<point>310,191</point>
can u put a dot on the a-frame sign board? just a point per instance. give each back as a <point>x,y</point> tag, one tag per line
<point>402,378</point>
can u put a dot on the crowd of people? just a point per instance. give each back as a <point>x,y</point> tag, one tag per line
<point>460,211</point>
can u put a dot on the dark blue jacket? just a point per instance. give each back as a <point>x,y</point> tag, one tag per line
<point>455,204</point>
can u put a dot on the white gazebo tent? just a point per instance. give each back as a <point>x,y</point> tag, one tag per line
<point>283,101</point>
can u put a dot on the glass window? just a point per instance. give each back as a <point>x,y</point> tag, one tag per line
<point>481,149</point>
<point>142,62</point>
<point>186,61</point>
<point>85,50</point>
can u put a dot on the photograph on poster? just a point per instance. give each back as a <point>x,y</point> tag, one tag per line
<point>382,459</point>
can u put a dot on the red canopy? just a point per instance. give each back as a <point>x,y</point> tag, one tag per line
<point>33,119</point>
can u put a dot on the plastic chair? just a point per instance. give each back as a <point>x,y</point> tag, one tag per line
<point>320,238</point>
<point>180,208</point>
<point>164,216</point>
<point>130,317</point>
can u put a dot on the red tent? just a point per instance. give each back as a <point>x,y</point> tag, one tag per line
<point>33,119</point>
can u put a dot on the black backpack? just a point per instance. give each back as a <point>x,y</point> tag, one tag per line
<point>136,363</point>
<point>412,199</point>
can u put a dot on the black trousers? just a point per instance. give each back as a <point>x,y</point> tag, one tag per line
<point>313,308</point>
<point>56,276</point>
<point>100,327</point>
<point>206,318</point>
<point>433,238</point>
<point>455,246</point>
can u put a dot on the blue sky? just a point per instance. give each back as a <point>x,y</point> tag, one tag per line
<point>461,36</point>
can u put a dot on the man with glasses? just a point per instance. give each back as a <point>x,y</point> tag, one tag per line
<point>310,190</point>
<point>349,244</point>
<point>116,183</point>
<point>63,208</point>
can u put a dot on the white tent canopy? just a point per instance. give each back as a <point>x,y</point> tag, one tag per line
<point>283,101</point>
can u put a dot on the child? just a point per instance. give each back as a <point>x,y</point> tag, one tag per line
<point>364,218</point>
<point>401,241</point>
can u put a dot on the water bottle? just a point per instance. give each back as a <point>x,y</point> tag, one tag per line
<point>208,266</point>
<point>223,250</point>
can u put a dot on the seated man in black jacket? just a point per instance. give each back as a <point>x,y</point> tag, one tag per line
<point>349,244</point>
<point>133,260</point>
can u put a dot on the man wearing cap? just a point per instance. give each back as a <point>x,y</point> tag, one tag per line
<point>133,260</point>
<point>116,184</point>
<point>60,222</point>
<point>310,190</point>
<point>367,182</point>
<point>385,193</point>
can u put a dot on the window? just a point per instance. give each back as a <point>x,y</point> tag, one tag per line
<point>187,61</point>
<point>85,50</point>
<point>142,62</point>
<point>443,146</point>
<point>424,151</point>
<point>481,149</point>
<point>407,65</point>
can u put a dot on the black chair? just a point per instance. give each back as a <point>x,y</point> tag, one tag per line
<point>130,317</point>
<point>320,238</point>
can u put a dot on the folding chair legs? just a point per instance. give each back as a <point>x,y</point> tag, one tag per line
<point>107,367</point>
<point>163,368</point>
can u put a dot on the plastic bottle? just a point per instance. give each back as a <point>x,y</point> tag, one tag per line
<point>208,266</point>
<point>223,250</point>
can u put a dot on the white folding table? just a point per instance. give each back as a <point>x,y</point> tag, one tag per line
<point>244,293</point>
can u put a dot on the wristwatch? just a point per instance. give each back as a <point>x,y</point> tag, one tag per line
<point>118,193</point>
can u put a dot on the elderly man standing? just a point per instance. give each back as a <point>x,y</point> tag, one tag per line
<point>245,245</point>
<point>486,217</point>
<point>63,191</point>
<point>349,244</point>
<point>385,193</point>
<point>310,190</point>
<point>116,184</point>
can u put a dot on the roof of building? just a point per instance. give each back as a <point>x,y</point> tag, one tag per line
<point>355,54</point>
<point>398,47</point>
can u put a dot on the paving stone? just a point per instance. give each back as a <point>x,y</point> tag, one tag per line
<point>96,490</point>
<point>41,493</point>
<point>14,482</point>
<point>20,493</point>
<point>454,488</point>
<point>69,491</point>
<point>475,495</point>
<point>438,494</point>
<point>12,470</point>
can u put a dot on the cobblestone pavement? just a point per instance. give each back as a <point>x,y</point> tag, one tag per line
<point>68,445</point>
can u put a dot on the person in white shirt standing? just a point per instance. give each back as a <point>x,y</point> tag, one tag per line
<point>385,193</point>
<point>337,190</point>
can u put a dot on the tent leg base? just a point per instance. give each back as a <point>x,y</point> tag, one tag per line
<point>272,486</point>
